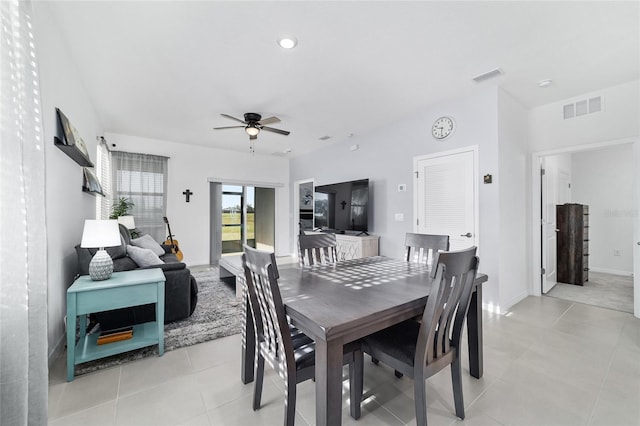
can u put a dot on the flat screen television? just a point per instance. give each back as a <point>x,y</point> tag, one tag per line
<point>342,207</point>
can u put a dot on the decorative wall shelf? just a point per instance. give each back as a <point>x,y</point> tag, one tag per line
<point>73,151</point>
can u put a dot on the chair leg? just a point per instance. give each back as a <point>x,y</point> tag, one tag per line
<point>356,383</point>
<point>290,402</point>
<point>456,380</point>
<point>398,374</point>
<point>257,386</point>
<point>420,396</point>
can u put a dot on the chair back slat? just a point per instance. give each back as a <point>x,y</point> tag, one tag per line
<point>317,249</point>
<point>447,304</point>
<point>422,248</point>
<point>272,328</point>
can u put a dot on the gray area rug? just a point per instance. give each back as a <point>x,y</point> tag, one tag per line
<point>603,290</point>
<point>217,314</point>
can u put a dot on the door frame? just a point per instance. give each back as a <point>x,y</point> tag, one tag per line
<point>536,190</point>
<point>243,182</point>
<point>476,188</point>
<point>296,213</point>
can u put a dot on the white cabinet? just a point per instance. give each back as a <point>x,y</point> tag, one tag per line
<point>355,247</point>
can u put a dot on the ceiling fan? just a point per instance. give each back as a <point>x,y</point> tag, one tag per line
<point>253,123</point>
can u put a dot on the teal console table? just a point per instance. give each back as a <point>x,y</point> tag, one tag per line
<point>122,290</point>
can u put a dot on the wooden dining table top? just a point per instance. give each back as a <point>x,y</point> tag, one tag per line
<point>333,300</point>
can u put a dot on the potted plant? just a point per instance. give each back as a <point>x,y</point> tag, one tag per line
<point>121,208</point>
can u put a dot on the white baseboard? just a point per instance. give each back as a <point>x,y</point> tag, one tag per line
<point>612,271</point>
<point>504,308</point>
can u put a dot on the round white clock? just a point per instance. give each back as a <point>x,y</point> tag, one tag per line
<point>442,128</point>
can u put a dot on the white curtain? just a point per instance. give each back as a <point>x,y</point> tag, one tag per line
<point>104,173</point>
<point>142,178</point>
<point>23,256</point>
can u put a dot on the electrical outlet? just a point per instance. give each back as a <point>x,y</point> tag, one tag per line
<point>617,252</point>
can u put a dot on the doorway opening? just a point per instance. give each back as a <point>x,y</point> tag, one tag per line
<point>605,177</point>
<point>241,214</point>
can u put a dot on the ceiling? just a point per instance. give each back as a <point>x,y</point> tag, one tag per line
<point>167,70</point>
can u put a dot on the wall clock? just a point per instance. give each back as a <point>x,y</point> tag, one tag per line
<point>442,128</point>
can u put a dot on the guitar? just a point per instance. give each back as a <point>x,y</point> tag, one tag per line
<point>173,243</point>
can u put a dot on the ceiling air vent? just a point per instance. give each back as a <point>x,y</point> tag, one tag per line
<point>582,107</point>
<point>487,75</point>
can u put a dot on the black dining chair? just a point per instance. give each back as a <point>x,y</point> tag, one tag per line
<point>421,349</point>
<point>422,248</point>
<point>288,351</point>
<point>317,249</point>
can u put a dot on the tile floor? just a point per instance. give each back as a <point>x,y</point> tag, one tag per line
<point>547,362</point>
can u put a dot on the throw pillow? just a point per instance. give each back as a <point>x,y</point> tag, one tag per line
<point>147,242</point>
<point>143,257</point>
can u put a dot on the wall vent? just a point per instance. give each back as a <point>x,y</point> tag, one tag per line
<point>582,107</point>
<point>488,75</point>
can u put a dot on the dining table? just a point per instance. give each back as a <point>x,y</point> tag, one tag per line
<point>342,302</point>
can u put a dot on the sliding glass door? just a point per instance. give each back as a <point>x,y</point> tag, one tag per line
<point>248,217</point>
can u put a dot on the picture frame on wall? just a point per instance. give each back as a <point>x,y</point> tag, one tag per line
<point>70,142</point>
<point>91,184</point>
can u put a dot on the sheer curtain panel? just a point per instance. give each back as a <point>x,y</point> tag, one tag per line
<point>23,243</point>
<point>142,178</point>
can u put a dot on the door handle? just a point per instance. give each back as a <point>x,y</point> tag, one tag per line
<point>469,235</point>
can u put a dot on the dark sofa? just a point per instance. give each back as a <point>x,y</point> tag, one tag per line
<point>181,289</point>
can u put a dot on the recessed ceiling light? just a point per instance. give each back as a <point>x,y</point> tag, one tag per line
<point>287,42</point>
<point>545,83</point>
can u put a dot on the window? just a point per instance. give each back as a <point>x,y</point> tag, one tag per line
<point>142,179</point>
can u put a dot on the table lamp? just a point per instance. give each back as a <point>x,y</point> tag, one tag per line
<point>100,234</point>
<point>127,221</point>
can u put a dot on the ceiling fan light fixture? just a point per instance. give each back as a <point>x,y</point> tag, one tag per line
<point>252,130</point>
<point>287,42</point>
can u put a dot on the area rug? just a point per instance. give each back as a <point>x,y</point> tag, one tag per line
<point>217,314</point>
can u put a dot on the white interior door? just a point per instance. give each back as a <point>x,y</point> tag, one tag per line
<point>548,226</point>
<point>446,196</point>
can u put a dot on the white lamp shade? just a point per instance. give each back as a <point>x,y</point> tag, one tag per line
<point>100,233</point>
<point>127,221</point>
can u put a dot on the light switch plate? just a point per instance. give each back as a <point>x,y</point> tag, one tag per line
<point>402,187</point>
<point>399,217</point>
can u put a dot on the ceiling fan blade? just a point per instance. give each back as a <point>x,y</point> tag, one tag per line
<point>271,129</point>
<point>269,120</point>
<point>253,137</point>
<point>229,127</point>
<point>233,118</point>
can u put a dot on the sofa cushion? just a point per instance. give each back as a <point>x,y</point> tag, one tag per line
<point>123,264</point>
<point>118,251</point>
<point>147,242</point>
<point>143,257</point>
<point>169,258</point>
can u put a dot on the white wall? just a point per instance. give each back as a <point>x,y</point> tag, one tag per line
<point>617,120</point>
<point>603,179</point>
<point>66,205</point>
<point>386,157</point>
<point>191,167</point>
<point>514,267</point>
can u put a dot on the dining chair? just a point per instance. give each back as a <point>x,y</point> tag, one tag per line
<point>317,249</point>
<point>421,349</point>
<point>288,351</point>
<point>422,248</point>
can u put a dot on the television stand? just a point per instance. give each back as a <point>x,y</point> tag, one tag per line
<point>351,246</point>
